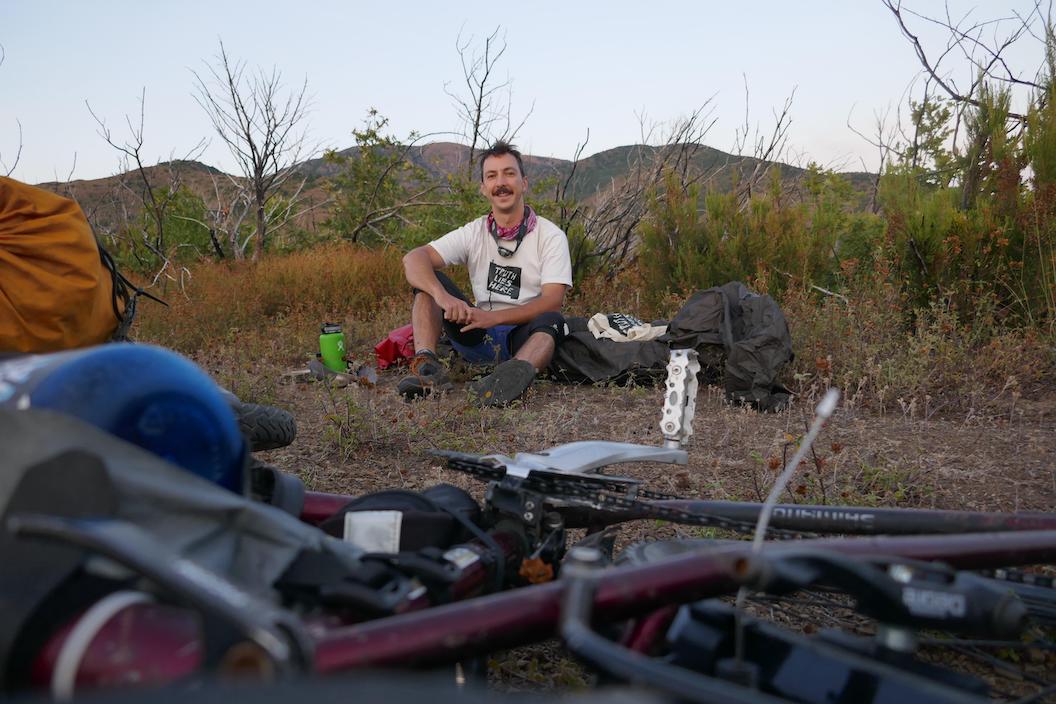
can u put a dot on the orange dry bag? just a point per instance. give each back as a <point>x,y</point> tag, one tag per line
<point>55,293</point>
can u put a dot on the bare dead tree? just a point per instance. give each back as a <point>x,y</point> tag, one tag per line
<point>759,150</point>
<point>9,169</point>
<point>982,44</point>
<point>65,185</point>
<point>113,216</point>
<point>611,218</point>
<point>93,208</point>
<point>4,167</point>
<point>100,211</point>
<point>485,108</point>
<point>263,128</point>
<point>569,209</point>
<point>882,139</point>
<point>613,222</point>
<point>229,209</point>
<point>965,72</point>
<point>153,189</point>
<point>230,205</point>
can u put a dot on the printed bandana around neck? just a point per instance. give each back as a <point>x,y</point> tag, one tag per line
<point>510,233</point>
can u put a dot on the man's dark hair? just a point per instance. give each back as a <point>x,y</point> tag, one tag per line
<point>499,149</point>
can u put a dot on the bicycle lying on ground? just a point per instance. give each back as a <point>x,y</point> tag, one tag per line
<point>160,599</point>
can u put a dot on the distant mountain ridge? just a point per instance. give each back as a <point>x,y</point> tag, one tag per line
<point>442,159</point>
<point>593,173</point>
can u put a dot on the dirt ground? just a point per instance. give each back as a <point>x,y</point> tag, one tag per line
<point>358,439</point>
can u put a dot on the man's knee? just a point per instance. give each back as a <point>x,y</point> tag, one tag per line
<point>419,294</point>
<point>551,323</point>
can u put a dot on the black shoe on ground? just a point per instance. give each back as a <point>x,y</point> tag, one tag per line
<point>427,376</point>
<point>507,383</point>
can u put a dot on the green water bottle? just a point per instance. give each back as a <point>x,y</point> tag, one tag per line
<point>332,347</point>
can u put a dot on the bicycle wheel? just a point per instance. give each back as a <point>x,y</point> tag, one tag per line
<point>265,427</point>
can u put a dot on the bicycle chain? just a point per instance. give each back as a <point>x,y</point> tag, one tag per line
<point>605,494</point>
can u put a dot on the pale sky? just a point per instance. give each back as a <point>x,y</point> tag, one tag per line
<point>597,65</point>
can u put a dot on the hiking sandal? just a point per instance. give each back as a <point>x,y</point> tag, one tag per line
<point>506,384</point>
<point>427,376</point>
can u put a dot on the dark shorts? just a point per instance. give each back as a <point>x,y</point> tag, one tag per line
<point>501,342</point>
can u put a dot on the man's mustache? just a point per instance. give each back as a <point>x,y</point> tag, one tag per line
<point>501,191</point>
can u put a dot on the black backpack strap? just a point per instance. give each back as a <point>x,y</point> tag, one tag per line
<point>124,297</point>
<point>273,486</point>
<point>369,587</point>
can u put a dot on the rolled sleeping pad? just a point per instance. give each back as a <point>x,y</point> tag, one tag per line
<point>145,395</point>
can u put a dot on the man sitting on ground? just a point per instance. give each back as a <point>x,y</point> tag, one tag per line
<point>519,268</point>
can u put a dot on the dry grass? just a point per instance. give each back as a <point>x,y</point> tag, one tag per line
<point>248,323</point>
<point>897,440</point>
<point>272,309</point>
<point>893,359</point>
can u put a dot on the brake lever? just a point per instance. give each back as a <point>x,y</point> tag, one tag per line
<point>909,595</point>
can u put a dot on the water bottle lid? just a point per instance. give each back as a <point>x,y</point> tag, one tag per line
<point>329,328</point>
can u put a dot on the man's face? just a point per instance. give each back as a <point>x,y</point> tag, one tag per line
<point>503,184</point>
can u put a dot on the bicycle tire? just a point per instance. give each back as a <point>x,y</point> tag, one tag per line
<point>265,427</point>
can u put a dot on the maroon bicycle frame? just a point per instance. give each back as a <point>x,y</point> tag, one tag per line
<point>137,645</point>
<point>456,631</point>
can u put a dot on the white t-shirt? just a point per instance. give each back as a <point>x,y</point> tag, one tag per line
<point>503,282</point>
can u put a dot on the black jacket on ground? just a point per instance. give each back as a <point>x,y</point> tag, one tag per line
<point>739,335</point>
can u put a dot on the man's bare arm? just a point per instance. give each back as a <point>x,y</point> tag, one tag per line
<point>419,266</point>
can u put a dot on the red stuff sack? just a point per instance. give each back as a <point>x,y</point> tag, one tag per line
<point>395,349</point>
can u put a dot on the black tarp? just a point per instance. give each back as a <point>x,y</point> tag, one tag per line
<point>739,336</point>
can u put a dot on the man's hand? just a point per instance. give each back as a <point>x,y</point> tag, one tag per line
<point>480,320</point>
<point>455,309</point>
<point>552,297</point>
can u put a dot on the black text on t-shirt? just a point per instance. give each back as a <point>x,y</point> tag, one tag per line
<point>504,280</point>
<point>623,322</point>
